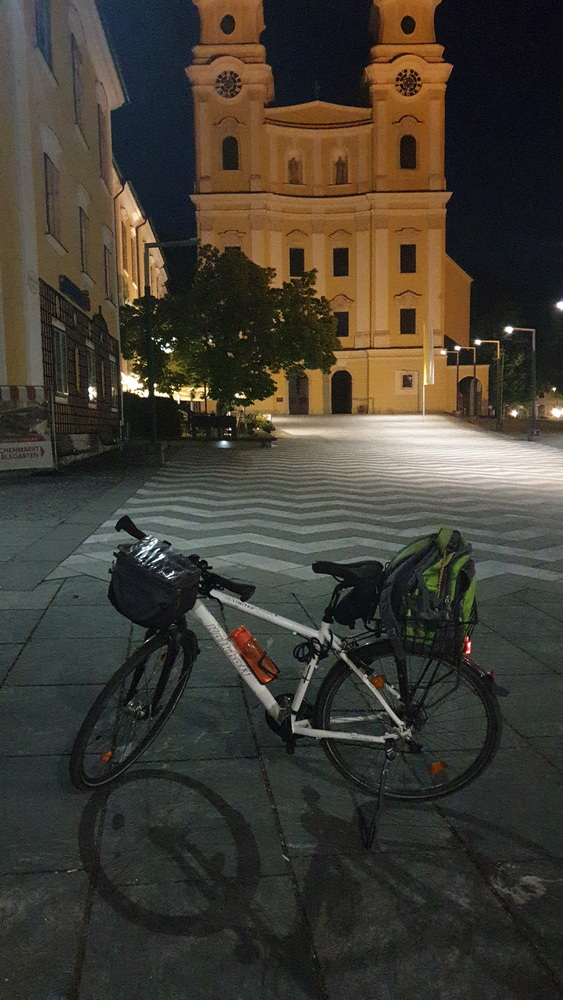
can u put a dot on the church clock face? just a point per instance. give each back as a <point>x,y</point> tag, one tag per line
<point>228,84</point>
<point>408,82</point>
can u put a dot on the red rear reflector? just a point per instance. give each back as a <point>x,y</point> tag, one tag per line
<point>437,767</point>
<point>467,646</point>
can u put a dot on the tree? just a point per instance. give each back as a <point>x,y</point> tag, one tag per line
<point>132,323</point>
<point>234,330</point>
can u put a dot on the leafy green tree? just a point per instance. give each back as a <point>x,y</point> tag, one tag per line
<point>234,330</point>
<point>132,322</point>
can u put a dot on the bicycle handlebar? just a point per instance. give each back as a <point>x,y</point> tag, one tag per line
<point>210,580</point>
<point>242,590</point>
<point>126,524</point>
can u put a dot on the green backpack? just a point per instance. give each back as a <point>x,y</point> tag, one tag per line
<point>427,603</point>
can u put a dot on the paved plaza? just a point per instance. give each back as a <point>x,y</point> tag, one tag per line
<point>219,867</point>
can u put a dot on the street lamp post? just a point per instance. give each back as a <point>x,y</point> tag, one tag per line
<point>498,409</point>
<point>473,389</point>
<point>534,432</point>
<point>149,345</point>
<point>446,353</point>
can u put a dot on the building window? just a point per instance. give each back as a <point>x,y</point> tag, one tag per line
<point>341,171</point>
<point>43,30</point>
<point>83,232</point>
<point>408,321</point>
<point>108,273</point>
<point>407,381</point>
<point>92,377</point>
<point>124,248</point>
<point>103,145</point>
<point>61,370</point>
<point>102,380</point>
<point>408,258</point>
<point>77,82</point>
<point>230,153</point>
<point>296,262</point>
<point>114,385</point>
<point>407,155</point>
<point>295,171</point>
<point>52,218</point>
<point>343,320</point>
<point>340,262</point>
<point>77,380</point>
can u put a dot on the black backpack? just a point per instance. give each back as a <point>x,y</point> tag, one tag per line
<point>152,584</point>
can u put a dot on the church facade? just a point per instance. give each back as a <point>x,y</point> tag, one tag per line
<point>359,193</point>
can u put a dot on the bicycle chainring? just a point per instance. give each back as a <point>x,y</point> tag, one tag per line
<point>283,728</point>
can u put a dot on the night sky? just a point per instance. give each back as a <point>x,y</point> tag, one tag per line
<point>504,127</point>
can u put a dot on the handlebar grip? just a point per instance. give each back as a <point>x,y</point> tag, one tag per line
<point>242,590</point>
<point>126,524</point>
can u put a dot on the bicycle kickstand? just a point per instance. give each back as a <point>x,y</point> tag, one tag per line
<point>369,833</point>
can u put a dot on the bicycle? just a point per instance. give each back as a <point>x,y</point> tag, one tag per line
<point>413,730</point>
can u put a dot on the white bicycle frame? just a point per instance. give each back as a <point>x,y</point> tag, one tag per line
<point>327,640</point>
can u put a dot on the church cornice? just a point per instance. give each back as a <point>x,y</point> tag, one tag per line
<point>318,114</point>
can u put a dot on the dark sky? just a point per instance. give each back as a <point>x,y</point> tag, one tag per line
<point>504,150</point>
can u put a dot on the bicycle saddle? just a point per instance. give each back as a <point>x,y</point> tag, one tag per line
<point>352,574</point>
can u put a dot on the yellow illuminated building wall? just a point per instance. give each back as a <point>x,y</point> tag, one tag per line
<point>133,230</point>
<point>357,193</point>
<point>58,280</point>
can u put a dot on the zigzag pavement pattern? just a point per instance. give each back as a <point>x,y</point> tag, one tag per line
<point>276,512</point>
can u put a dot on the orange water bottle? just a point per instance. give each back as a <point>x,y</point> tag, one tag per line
<point>263,668</point>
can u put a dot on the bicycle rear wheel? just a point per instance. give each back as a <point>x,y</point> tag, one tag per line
<point>455,719</point>
<point>132,708</point>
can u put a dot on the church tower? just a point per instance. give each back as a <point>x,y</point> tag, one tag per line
<point>231,84</point>
<point>407,78</point>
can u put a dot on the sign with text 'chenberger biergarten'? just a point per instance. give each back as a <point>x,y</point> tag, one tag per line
<point>25,435</point>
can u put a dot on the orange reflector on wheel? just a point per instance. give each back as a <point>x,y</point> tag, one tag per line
<point>436,767</point>
<point>106,756</point>
<point>378,681</point>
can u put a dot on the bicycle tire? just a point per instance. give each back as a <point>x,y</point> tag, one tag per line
<point>107,742</point>
<point>455,716</point>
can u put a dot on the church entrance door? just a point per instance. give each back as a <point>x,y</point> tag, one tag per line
<point>341,392</point>
<point>299,395</point>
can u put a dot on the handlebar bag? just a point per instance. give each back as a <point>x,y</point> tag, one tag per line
<point>152,584</point>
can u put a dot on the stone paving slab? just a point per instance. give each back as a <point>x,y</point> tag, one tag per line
<point>38,960</point>
<point>8,653</point>
<point>69,661</point>
<point>40,817</point>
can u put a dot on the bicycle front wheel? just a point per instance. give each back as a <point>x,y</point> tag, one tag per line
<point>132,708</point>
<point>454,718</point>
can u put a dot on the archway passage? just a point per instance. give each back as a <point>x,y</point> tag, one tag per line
<point>298,387</point>
<point>470,393</point>
<point>341,392</point>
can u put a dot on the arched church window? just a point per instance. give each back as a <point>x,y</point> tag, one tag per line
<point>341,171</point>
<point>407,155</point>
<point>295,171</point>
<point>230,153</point>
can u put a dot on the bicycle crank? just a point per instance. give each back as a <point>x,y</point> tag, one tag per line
<point>282,727</point>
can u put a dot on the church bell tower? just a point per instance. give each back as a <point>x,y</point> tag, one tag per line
<point>407,77</point>
<point>231,85</point>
